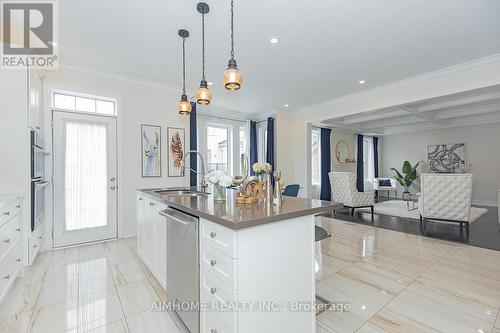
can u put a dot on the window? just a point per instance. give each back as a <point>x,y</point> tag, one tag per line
<point>368,163</point>
<point>262,142</point>
<point>83,103</point>
<point>217,148</point>
<point>315,157</point>
<point>243,140</point>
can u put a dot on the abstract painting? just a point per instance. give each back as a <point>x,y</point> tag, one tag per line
<point>176,148</point>
<point>151,150</point>
<point>448,158</point>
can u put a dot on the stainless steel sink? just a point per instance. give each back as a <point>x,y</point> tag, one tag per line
<point>181,192</point>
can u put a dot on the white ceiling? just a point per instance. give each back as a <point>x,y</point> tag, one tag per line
<point>475,107</point>
<point>325,47</point>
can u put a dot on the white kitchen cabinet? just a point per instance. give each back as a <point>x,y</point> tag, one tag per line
<point>152,236</point>
<point>141,216</point>
<point>160,267</point>
<point>35,100</point>
<point>11,242</point>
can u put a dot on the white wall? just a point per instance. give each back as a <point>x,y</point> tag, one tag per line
<point>138,104</point>
<point>482,150</point>
<point>350,138</point>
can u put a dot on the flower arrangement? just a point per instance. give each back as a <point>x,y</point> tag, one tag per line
<point>261,169</point>
<point>219,177</point>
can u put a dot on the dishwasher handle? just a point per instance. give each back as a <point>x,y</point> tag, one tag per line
<point>178,216</point>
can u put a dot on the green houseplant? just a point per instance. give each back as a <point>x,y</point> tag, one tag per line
<point>406,177</point>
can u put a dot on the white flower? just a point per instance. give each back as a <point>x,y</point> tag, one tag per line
<point>219,177</point>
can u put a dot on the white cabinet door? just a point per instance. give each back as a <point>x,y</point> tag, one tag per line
<point>161,246</point>
<point>35,100</point>
<point>141,216</point>
<point>149,234</point>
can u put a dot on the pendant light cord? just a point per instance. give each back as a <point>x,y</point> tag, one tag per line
<point>203,45</point>
<point>232,29</point>
<point>184,66</point>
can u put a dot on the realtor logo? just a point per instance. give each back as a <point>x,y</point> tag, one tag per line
<point>29,34</point>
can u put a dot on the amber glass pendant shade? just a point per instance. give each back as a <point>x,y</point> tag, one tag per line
<point>203,95</point>
<point>232,78</point>
<point>184,106</point>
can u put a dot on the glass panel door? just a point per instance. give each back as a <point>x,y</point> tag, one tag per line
<point>84,178</point>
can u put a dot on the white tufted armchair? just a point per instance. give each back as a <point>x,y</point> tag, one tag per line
<point>344,190</point>
<point>446,197</point>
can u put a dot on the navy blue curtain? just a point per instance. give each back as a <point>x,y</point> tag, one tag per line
<point>326,189</point>
<point>253,145</point>
<point>270,141</point>
<point>193,145</point>
<point>375,155</point>
<point>360,175</point>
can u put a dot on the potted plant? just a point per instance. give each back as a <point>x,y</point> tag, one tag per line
<point>220,181</point>
<point>406,177</point>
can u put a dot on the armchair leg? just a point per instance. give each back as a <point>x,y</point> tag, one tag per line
<point>371,209</point>
<point>352,211</point>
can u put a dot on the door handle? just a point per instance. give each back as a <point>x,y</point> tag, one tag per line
<point>112,179</point>
<point>112,188</point>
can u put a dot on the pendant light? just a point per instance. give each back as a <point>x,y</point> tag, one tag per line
<point>203,94</point>
<point>184,105</point>
<point>232,77</point>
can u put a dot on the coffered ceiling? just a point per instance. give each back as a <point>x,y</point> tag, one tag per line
<point>475,107</point>
<point>325,46</point>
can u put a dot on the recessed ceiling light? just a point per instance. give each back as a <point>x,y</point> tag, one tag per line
<point>210,83</point>
<point>274,40</point>
<point>361,82</point>
<point>285,105</point>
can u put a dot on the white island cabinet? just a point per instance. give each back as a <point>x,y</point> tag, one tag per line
<point>264,273</point>
<point>152,236</point>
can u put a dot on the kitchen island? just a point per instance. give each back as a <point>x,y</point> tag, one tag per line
<point>254,262</point>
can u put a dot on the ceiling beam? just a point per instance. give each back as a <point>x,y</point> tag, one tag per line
<point>459,101</point>
<point>362,118</point>
<point>427,117</point>
<point>468,111</point>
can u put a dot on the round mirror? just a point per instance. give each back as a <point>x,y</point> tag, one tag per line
<point>342,151</point>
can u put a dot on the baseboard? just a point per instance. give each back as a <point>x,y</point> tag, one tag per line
<point>485,203</point>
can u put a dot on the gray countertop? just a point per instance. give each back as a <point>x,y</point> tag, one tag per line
<point>239,216</point>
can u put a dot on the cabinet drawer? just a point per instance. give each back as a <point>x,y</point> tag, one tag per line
<point>219,237</point>
<point>10,266</point>
<point>10,232</point>
<point>220,266</point>
<point>35,243</point>
<point>9,211</point>
<point>213,323</point>
<point>213,291</point>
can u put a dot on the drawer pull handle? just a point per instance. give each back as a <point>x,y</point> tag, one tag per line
<point>35,246</point>
<point>39,237</point>
<point>213,290</point>
<point>6,277</point>
<point>18,229</point>
<point>213,330</point>
<point>213,262</point>
<point>213,234</point>
<point>18,206</point>
<point>151,204</point>
<point>18,260</point>
<point>7,240</point>
<point>140,199</point>
<point>6,213</point>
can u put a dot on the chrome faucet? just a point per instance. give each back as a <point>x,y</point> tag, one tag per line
<point>203,183</point>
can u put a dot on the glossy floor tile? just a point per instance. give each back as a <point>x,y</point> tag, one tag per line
<point>387,281</point>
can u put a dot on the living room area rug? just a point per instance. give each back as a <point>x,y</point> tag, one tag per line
<point>398,208</point>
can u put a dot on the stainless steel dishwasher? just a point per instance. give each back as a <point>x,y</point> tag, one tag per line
<point>183,281</point>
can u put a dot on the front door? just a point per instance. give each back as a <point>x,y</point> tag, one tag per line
<point>85,196</point>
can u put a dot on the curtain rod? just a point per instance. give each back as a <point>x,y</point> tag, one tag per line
<point>231,119</point>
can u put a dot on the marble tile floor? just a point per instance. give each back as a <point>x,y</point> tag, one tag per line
<point>393,282</point>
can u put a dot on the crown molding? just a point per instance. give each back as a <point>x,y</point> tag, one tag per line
<point>72,68</point>
<point>440,74</point>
